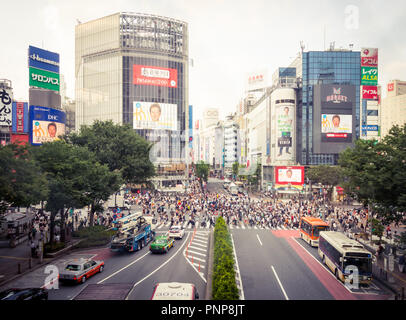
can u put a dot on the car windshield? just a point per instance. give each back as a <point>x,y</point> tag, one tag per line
<point>73,267</point>
<point>317,229</point>
<point>160,241</point>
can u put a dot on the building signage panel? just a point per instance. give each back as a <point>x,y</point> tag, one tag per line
<point>155,76</point>
<point>43,59</point>
<point>370,92</point>
<point>369,76</point>
<point>44,79</point>
<point>369,57</point>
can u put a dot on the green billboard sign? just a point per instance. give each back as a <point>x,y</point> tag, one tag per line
<point>369,76</point>
<point>44,79</point>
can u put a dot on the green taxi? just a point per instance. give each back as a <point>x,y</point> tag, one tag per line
<point>161,244</point>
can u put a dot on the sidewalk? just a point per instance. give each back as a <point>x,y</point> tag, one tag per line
<point>389,275</point>
<point>15,262</point>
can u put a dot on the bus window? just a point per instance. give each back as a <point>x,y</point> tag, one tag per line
<point>316,230</point>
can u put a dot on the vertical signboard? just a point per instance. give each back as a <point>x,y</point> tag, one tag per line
<point>20,117</point>
<point>369,76</point>
<point>43,59</point>
<point>369,57</point>
<point>370,93</point>
<point>6,99</point>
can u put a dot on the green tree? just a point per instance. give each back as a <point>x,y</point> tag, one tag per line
<point>376,173</point>
<point>328,176</point>
<point>119,147</point>
<point>21,182</point>
<point>202,171</point>
<point>236,167</point>
<point>75,178</point>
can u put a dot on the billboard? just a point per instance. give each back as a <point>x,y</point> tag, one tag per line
<point>333,118</point>
<point>46,124</point>
<point>289,175</point>
<point>155,76</point>
<point>370,92</point>
<point>391,86</point>
<point>257,80</point>
<point>369,76</point>
<point>21,139</point>
<point>42,59</point>
<point>154,115</point>
<point>336,123</point>
<point>284,128</point>
<point>369,57</point>
<point>43,79</point>
<point>20,117</point>
<point>6,99</point>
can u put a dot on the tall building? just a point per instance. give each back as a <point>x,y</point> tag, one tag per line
<point>393,107</point>
<point>6,103</point>
<point>334,68</point>
<point>231,143</point>
<point>133,68</point>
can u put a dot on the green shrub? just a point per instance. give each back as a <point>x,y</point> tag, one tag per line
<point>93,236</point>
<point>53,247</point>
<point>224,285</point>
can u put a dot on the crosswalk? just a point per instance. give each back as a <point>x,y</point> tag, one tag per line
<point>188,226</point>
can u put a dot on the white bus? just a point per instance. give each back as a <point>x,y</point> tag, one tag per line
<point>344,256</point>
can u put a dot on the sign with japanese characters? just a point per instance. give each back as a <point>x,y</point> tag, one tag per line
<point>44,79</point>
<point>6,99</point>
<point>370,92</point>
<point>369,76</point>
<point>369,57</point>
<point>43,59</point>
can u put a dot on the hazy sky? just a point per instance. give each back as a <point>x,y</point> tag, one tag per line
<point>228,38</point>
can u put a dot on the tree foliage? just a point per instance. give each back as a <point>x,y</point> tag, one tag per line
<point>119,147</point>
<point>376,173</point>
<point>324,174</point>
<point>202,171</point>
<point>22,183</point>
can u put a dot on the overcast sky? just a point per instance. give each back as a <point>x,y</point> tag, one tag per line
<point>228,38</point>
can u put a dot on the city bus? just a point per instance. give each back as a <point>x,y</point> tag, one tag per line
<point>343,255</point>
<point>310,228</point>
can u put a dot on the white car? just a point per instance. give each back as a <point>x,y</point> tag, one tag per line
<point>176,232</point>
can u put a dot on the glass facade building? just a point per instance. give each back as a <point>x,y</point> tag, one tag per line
<point>125,65</point>
<point>324,67</point>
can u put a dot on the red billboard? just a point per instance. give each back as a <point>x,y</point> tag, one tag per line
<point>155,76</point>
<point>391,86</point>
<point>370,92</point>
<point>369,57</point>
<point>289,175</point>
<point>20,138</point>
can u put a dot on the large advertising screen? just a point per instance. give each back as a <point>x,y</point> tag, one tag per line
<point>43,59</point>
<point>155,76</point>
<point>289,175</point>
<point>46,124</point>
<point>154,115</point>
<point>284,128</point>
<point>333,124</point>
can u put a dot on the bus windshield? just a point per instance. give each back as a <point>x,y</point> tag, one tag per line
<point>364,265</point>
<point>317,229</point>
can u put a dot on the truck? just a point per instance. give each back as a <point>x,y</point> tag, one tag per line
<point>132,236</point>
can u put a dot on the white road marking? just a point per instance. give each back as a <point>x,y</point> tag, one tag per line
<point>280,284</point>
<point>260,242</point>
<point>161,266</point>
<point>242,297</point>
<point>112,275</point>
<point>195,252</point>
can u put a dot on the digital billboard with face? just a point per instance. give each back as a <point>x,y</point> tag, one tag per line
<point>153,115</point>
<point>336,123</point>
<point>46,124</point>
<point>289,175</point>
<point>284,123</point>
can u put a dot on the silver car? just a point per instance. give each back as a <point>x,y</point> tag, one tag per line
<point>80,270</point>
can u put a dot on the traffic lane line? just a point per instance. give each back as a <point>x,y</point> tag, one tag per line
<point>156,270</point>
<point>333,286</point>
<point>280,284</point>
<point>260,242</point>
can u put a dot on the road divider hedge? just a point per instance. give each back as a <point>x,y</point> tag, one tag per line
<point>224,284</point>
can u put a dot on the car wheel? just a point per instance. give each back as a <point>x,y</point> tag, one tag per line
<point>101,269</point>
<point>336,274</point>
<point>324,260</point>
